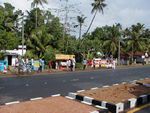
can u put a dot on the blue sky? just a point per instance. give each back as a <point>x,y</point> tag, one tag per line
<point>125,12</point>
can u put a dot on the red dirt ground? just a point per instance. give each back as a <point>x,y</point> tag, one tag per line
<point>116,94</point>
<point>48,105</point>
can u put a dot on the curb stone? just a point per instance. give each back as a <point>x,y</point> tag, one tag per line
<point>114,108</point>
<point>87,100</point>
<point>143,84</point>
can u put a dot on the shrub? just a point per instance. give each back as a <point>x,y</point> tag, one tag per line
<point>79,65</point>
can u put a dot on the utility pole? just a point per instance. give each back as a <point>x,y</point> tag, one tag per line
<point>22,33</point>
<point>119,51</point>
<point>132,52</point>
<point>66,18</point>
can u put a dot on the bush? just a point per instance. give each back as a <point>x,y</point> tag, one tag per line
<point>79,65</point>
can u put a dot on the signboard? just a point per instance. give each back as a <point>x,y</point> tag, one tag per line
<point>104,62</point>
<point>63,57</point>
<point>2,65</point>
<point>36,65</point>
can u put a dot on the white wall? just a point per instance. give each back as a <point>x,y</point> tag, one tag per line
<point>13,60</point>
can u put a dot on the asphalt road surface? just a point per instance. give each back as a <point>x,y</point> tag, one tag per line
<point>141,109</point>
<point>24,88</point>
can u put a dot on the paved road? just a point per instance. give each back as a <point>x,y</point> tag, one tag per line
<point>141,109</point>
<point>24,88</point>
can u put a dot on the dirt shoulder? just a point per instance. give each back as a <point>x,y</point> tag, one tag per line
<point>54,71</point>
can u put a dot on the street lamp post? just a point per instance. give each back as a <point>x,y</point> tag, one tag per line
<point>119,51</point>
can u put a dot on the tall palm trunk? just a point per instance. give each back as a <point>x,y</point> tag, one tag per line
<point>80,31</point>
<point>91,23</point>
<point>87,32</point>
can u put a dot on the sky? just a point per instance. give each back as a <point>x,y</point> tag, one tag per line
<point>125,12</point>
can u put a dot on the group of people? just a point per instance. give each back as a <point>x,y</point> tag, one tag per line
<point>27,65</point>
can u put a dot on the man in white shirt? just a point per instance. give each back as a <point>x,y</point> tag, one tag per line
<point>16,63</point>
<point>69,64</point>
<point>73,63</point>
<point>27,63</point>
<point>32,64</point>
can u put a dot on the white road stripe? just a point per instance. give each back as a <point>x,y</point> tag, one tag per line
<point>94,88</point>
<point>74,80</point>
<point>36,98</point>
<point>115,84</point>
<point>55,95</point>
<point>124,82</point>
<point>105,86</point>
<point>15,102</point>
<point>80,90</point>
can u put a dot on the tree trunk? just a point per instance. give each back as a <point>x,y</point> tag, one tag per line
<point>80,31</point>
<point>91,23</point>
<point>87,32</point>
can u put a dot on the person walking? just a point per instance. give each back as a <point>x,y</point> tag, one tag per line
<point>100,64</point>
<point>114,64</point>
<point>73,64</point>
<point>84,62</point>
<point>27,64</point>
<point>32,64</point>
<point>16,64</point>
<point>23,64</point>
<point>94,63</point>
<point>69,65</point>
<point>50,65</point>
<point>40,64</point>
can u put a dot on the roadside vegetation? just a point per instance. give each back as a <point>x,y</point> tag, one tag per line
<point>43,34</point>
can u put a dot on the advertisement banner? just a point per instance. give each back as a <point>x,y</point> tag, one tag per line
<point>63,57</point>
<point>36,65</point>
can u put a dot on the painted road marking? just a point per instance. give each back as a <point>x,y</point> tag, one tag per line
<point>73,80</point>
<point>55,95</point>
<point>36,98</point>
<point>80,90</point>
<point>139,108</point>
<point>92,78</point>
<point>105,86</point>
<point>94,88</point>
<point>15,102</point>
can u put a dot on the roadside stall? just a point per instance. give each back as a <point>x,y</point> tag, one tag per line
<point>61,60</point>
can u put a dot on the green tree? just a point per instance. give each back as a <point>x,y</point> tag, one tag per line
<point>98,5</point>
<point>9,34</point>
<point>136,39</point>
<point>35,4</point>
<point>80,20</point>
<point>111,43</point>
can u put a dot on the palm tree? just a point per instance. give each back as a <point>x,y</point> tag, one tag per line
<point>98,5</point>
<point>80,21</point>
<point>35,3</point>
<point>136,40</point>
<point>113,37</point>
